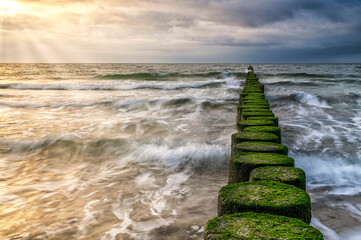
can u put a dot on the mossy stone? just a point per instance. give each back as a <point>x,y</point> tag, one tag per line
<point>265,197</point>
<point>251,107</point>
<point>274,119</point>
<point>241,165</point>
<point>263,147</point>
<point>246,114</point>
<point>288,175</point>
<point>253,95</point>
<point>270,129</point>
<point>253,87</point>
<point>248,136</point>
<point>255,226</point>
<point>253,112</point>
<point>254,101</point>
<point>251,76</point>
<point>253,83</point>
<point>254,107</point>
<point>246,123</point>
<point>249,92</point>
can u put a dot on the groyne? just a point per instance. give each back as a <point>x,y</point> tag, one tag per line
<point>265,197</point>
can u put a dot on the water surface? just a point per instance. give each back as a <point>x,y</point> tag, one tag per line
<point>139,151</point>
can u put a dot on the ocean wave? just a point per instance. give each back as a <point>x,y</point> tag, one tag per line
<point>214,83</point>
<point>342,177</point>
<point>296,83</point>
<point>196,156</point>
<point>169,76</point>
<point>116,87</point>
<point>301,97</point>
<point>300,75</point>
<point>89,150</point>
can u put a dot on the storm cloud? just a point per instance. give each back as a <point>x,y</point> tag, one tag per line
<point>183,31</point>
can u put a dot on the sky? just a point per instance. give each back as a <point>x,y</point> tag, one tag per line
<point>216,31</point>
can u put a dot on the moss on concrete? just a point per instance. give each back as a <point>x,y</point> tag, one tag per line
<point>251,110</point>
<point>270,129</point>
<point>241,164</point>
<point>249,136</point>
<point>263,147</point>
<point>253,83</point>
<point>255,100</point>
<point>254,106</point>
<point>288,175</point>
<point>255,226</point>
<point>250,92</point>
<point>255,90</point>
<point>265,197</point>
<point>246,123</point>
<point>253,87</point>
<point>252,95</point>
<point>274,119</point>
<point>246,114</point>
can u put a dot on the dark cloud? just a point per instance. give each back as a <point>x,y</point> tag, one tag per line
<point>233,30</point>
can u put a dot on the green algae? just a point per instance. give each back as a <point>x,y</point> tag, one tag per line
<point>251,110</point>
<point>246,123</point>
<point>270,129</point>
<point>265,147</point>
<point>274,119</point>
<point>265,197</point>
<point>255,100</point>
<point>288,175</point>
<point>253,95</point>
<point>241,164</point>
<point>248,136</point>
<point>246,114</point>
<point>250,92</point>
<point>253,107</point>
<point>253,87</point>
<point>255,226</point>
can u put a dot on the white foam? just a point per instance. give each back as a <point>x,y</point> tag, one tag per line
<point>312,100</point>
<point>194,154</point>
<point>342,177</point>
<point>327,232</point>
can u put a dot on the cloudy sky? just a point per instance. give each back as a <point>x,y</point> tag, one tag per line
<point>180,31</point>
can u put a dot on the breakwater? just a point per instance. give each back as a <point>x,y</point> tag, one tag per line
<point>265,197</point>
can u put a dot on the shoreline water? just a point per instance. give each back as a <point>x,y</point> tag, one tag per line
<point>95,147</point>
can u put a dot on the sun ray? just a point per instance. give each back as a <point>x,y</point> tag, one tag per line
<point>9,7</point>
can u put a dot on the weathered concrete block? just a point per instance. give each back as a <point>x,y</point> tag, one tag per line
<point>253,101</point>
<point>250,225</point>
<point>250,107</point>
<point>252,95</point>
<point>241,165</point>
<point>261,113</point>
<point>270,129</point>
<point>288,175</point>
<point>247,123</point>
<point>274,119</point>
<point>262,147</point>
<point>256,137</point>
<point>265,197</point>
<point>252,87</point>
<point>245,93</point>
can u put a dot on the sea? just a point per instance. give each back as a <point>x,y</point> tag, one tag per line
<point>140,151</point>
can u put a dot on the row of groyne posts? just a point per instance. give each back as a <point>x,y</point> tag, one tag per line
<point>265,197</point>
